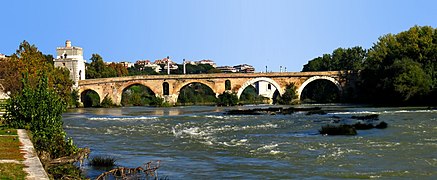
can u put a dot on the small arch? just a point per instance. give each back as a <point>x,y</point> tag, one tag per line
<point>165,88</point>
<point>252,81</point>
<point>90,98</point>
<point>311,79</point>
<point>228,85</point>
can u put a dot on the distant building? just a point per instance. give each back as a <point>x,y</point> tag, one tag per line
<point>126,64</point>
<point>146,63</point>
<point>207,61</point>
<point>2,56</point>
<point>71,57</point>
<point>244,68</point>
<point>227,69</point>
<point>165,61</point>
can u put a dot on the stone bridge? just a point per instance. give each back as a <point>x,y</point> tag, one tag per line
<point>169,86</point>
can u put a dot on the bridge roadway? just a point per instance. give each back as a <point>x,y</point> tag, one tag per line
<point>169,86</point>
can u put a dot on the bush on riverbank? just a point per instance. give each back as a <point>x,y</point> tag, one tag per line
<point>227,99</point>
<point>102,162</point>
<point>40,110</point>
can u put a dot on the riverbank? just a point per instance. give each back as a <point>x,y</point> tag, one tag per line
<point>18,159</point>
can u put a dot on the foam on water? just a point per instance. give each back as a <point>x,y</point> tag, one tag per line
<point>122,118</point>
<point>385,112</point>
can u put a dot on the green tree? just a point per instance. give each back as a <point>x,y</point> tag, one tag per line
<point>98,69</point>
<point>39,109</point>
<point>289,96</point>
<point>340,59</point>
<point>29,60</point>
<point>400,67</point>
<point>410,79</point>
<point>227,99</point>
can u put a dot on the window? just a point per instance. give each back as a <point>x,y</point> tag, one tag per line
<point>227,85</point>
<point>269,86</point>
<point>165,88</point>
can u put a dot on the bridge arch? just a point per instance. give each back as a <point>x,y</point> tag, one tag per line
<point>252,81</point>
<point>87,97</point>
<point>179,87</point>
<point>311,79</point>
<point>127,85</point>
<point>124,96</point>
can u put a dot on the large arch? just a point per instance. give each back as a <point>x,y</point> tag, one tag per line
<point>208,92</point>
<point>126,86</point>
<point>252,81</point>
<point>311,79</point>
<point>88,101</point>
<point>121,89</point>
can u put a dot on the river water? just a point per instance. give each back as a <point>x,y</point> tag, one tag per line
<point>200,142</point>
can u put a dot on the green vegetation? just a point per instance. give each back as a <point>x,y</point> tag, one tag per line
<point>12,171</point>
<point>195,94</point>
<point>398,69</point>
<point>10,148</point>
<point>250,96</point>
<point>227,99</point>
<point>98,69</point>
<point>102,162</point>
<point>7,131</point>
<point>289,96</point>
<point>40,110</point>
<point>107,102</point>
<point>28,59</point>
<point>321,91</point>
<point>90,99</point>
<point>65,171</point>
<point>139,95</point>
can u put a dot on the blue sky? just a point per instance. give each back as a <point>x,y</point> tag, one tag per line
<point>263,33</point>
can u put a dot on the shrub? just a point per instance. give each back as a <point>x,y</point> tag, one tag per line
<point>227,99</point>
<point>107,102</point>
<point>101,161</point>
<point>40,111</point>
<point>289,96</point>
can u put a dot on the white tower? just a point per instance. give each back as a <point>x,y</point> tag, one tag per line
<point>71,57</point>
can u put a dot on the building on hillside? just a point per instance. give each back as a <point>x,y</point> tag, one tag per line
<point>207,61</point>
<point>146,63</point>
<point>244,68</point>
<point>2,56</point>
<point>166,61</point>
<point>127,64</point>
<point>227,69</point>
<point>71,57</point>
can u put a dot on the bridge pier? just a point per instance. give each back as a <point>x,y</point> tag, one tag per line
<point>171,99</point>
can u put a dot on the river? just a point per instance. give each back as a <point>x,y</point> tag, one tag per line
<point>200,142</point>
